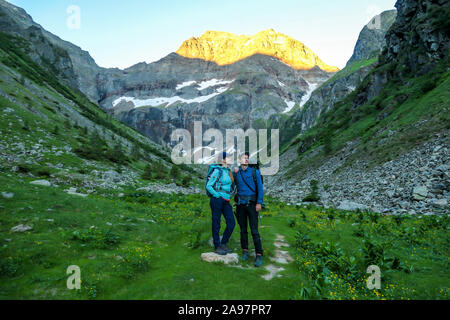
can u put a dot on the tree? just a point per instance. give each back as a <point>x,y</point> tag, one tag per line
<point>186,181</point>
<point>313,196</point>
<point>175,172</point>
<point>135,152</point>
<point>327,147</point>
<point>147,175</point>
<point>116,154</point>
<point>160,171</point>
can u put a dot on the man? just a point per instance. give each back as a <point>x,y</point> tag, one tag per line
<point>249,200</point>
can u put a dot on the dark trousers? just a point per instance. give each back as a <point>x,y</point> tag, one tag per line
<point>220,206</point>
<point>248,213</point>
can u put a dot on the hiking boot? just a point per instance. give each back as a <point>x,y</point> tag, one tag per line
<point>245,255</point>
<point>226,249</point>
<point>258,261</point>
<point>220,250</point>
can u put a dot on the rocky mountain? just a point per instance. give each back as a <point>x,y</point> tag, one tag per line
<point>384,145</point>
<point>240,84</point>
<point>232,87</point>
<point>369,45</point>
<point>227,48</point>
<point>72,65</point>
<point>53,135</point>
<point>371,39</point>
<point>176,91</point>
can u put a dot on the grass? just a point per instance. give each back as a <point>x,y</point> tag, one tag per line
<point>414,113</point>
<point>148,246</point>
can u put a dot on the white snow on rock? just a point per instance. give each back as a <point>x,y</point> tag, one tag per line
<point>305,98</point>
<point>167,101</point>
<point>185,84</point>
<point>212,83</point>
<point>290,105</point>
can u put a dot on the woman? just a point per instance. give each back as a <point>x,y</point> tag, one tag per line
<point>220,186</point>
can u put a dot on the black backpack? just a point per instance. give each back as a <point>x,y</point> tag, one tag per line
<point>254,167</point>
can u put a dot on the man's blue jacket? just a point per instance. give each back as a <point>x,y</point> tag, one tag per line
<point>244,190</point>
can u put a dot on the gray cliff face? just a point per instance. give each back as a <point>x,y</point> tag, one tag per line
<point>371,39</point>
<point>323,99</point>
<point>75,66</point>
<point>240,95</point>
<point>417,41</point>
<point>370,43</point>
<point>416,181</point>
<point>420,34</point>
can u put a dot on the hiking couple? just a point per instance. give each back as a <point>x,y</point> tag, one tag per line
<point>221,185</point>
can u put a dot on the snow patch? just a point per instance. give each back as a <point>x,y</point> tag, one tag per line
<point>305,98</point>
<point>167,101</point>
<point>185,84</point>
<point>290,105</point>
<point>212,83</point>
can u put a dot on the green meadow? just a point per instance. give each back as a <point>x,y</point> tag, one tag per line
<point>148,246</point>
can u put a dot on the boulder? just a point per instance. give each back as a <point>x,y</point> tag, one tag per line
<point>41,183</point>
<point>73,191</point>
<point>214,257</point>
<point>439,203</point>
<point>420,193</point>
<point>111,175</point>
<point>351,206</point>
<point>7,195</point>
<point>21,228</point>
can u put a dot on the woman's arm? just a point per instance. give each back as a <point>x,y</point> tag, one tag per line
<point>211,182</point>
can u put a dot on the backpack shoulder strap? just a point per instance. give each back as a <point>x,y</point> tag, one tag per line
<point>256,182</point>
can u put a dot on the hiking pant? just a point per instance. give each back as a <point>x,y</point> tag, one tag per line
<point>248,213</point>
<point>220,206</point>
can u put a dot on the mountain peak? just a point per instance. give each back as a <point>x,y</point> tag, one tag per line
<point>226,48</point>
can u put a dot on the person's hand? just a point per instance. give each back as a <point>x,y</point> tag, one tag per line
<point>236,170</point>
<point>258,207</point>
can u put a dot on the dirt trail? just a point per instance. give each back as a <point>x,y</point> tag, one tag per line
<point>281,256</point>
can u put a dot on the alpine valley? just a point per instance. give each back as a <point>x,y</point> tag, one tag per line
<point>86,176</point>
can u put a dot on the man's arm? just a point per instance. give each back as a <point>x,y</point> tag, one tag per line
<point>260,187</point>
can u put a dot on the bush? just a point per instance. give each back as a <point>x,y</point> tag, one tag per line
<point>133,261</point>
<point>92,149</point>
<point>313,196</point>
<point>160,171</point>
<point>8,267</point>
<point>94,236</point>
<point>175,172</point>
<point>147,175</point>
<point>116,154</point>
<point>186,181</point>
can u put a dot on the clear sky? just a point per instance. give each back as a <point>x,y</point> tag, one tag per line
<point>121,33</point>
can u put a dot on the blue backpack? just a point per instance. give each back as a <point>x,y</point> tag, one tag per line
<point>218,184</point>
<point>211,169</point>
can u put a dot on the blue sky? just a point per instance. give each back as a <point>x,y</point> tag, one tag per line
<point>122,33</point>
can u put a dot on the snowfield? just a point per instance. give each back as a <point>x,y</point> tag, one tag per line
<point>167,101</point>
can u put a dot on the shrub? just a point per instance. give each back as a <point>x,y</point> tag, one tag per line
<point>175,172</point>
<point>186,181</point>
<point>98,238</point>
<point>313,196</point>
<point>133,261</point>
<point>147,175</point>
